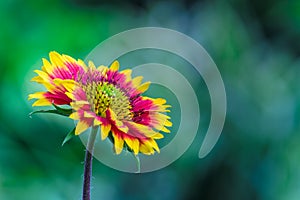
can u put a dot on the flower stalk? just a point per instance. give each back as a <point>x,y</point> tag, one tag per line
<point>86,192</point>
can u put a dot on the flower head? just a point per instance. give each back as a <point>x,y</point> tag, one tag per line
<point>111,99</point>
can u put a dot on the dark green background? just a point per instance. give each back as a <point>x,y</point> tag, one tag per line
<point>255,45</point>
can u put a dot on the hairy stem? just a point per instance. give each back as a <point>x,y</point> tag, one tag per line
<point>86,192</point>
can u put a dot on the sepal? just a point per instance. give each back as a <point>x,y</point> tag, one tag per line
<point>69,136</point>
<point>57,110</point>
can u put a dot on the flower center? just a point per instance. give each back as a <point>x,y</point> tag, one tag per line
<point>105,95</point>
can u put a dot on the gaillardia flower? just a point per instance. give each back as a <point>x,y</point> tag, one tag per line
<point>105,97</point>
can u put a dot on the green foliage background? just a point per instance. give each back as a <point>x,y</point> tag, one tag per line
<point>255,44</point>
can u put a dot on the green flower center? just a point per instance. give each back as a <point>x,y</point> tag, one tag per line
<point>104,95</point>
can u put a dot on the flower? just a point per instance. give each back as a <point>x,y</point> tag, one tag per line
<point>108,98</point>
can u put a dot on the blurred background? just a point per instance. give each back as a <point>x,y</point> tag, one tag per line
<point>255,45</point>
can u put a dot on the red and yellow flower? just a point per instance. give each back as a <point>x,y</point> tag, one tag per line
<point>105,97</point>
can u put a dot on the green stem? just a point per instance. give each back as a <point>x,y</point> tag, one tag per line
<point>86,193</point>
<point>138,163</point>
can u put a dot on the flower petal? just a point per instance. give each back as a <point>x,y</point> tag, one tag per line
<point>81,126</point>
<point>144,87</point>
<point>118,143</point>
<point>133,143</point>
<point>42,102</point>
<point>105,131</point>
<point>75,116</point>
<point>114,66</point>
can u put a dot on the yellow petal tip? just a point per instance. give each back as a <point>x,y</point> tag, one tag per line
<point>115,66</point>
